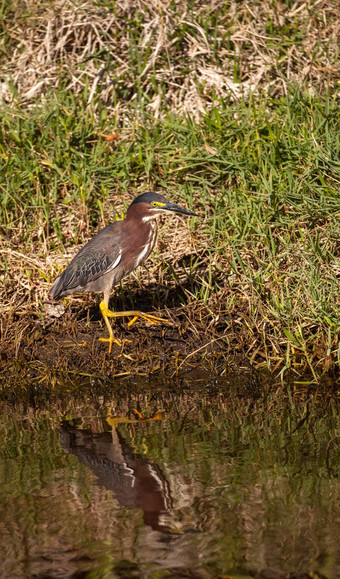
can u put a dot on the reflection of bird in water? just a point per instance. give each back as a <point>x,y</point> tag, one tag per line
<point>135,482</point>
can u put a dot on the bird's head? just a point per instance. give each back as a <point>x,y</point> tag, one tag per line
<point>151,205</point>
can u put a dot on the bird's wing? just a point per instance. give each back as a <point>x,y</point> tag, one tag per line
<point>99,256</point>
<point>89,267</point>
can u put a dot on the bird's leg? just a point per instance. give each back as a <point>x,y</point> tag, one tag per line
<point>114,421</point>
<point>106,313</point>
<point>134,313</point>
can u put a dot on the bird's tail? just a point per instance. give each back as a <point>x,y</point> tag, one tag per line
<point>56,291</point>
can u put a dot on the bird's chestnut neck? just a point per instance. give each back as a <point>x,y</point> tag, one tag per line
<point>141,211</point>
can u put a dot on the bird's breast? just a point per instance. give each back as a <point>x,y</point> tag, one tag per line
<point>147,245</point>
<point>138,243</point>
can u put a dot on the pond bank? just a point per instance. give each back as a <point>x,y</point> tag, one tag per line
<point>72,344</point>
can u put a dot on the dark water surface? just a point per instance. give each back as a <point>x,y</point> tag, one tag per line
<point>233,480</point>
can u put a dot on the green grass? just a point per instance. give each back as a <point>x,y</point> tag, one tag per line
<point>264,184</point>
<point>262,265</point>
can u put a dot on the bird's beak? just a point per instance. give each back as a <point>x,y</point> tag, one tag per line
<point>178,209</point>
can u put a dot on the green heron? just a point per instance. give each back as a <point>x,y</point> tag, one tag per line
<point>112,254</point>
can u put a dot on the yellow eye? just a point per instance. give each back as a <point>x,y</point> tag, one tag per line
<point>157,204</point>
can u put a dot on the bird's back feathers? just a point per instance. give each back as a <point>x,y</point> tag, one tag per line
<point>99,256</point>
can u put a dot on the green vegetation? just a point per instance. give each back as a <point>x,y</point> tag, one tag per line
<point>259,270</point>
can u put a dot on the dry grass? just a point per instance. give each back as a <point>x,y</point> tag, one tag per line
<point>179,56</point>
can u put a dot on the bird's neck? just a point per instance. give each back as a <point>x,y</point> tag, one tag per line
<point>139,212</point>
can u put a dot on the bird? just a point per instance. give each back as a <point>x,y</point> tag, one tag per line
<point>112,254</point>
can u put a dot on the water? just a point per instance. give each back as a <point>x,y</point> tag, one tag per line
<point>233,480</point>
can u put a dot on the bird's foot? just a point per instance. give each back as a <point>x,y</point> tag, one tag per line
<point>114,341</point>
<point>111,340</point>
<point>147,317</point>
<point>159,415</point>
<point>140,417</point>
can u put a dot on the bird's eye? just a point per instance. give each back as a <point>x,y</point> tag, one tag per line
<point>157,204</point>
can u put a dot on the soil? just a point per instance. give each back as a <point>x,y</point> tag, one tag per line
<point>36,343</point>
<point>71,342</point>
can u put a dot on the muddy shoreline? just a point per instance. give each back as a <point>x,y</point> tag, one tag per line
<point>72,343</point>
<point>36,345</point>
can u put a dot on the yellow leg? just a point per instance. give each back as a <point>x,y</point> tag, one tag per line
<point>115,420</point>
<point>134,313</point>
<point>107,313</point>
<point>104,308</point>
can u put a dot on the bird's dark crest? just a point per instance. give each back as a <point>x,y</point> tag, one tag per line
<point>149,197</point>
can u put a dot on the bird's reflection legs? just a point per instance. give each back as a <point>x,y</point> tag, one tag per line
<point>114,421</point>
